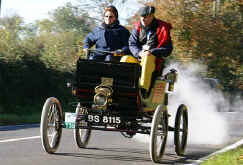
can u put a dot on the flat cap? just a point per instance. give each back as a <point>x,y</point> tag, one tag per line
<point>147,10</point>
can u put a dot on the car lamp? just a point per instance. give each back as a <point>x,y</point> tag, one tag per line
<point>171,77</point>
<point>103,96</point>
<point>100,99</point>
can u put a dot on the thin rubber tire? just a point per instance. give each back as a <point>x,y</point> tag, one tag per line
<point>81,136</point>
<point>159,131</point>
<point>50,126</point>
<point>181,130</point>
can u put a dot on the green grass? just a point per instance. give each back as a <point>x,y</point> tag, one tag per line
<point>11,119</point>
<point>233,157</point>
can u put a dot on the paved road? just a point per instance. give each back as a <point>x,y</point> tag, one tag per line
<point>21,145</point>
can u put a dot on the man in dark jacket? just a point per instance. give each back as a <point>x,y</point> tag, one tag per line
<point>110,36</point>
<point>150,41</point>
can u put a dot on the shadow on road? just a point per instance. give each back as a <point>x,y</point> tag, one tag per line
<point>120,154</point>
<point>134,155</point>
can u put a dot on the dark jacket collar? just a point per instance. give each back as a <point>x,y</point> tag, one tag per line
<point>111,26</point>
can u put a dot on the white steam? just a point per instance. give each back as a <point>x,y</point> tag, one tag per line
<point>206,124</point>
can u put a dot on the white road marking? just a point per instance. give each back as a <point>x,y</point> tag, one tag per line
<point>19,139</point>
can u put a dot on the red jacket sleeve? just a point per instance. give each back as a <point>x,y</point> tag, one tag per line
<point>163,33</point>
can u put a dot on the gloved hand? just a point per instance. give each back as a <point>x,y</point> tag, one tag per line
<point>143,53</point>
<point>86,52</point>
<point>118,52</point>
<point>146,47</point>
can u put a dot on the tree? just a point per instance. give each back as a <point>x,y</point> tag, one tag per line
<point>10,37</point>
<point>0,6</point>
<point>198,34</point>
<point>13,24</point>
<point>46,26</point>
<point>96,6</point>
<point>71,18</point>
<point>62,35</point>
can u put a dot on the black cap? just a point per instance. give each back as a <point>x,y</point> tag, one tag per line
<point>147,10</point>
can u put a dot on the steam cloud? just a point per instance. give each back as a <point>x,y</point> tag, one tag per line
<point>206,123</point>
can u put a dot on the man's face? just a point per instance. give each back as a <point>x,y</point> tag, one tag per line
<point>146,20</point>
<point>109,18</point>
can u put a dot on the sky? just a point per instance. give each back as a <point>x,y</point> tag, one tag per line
<point>31,10</point>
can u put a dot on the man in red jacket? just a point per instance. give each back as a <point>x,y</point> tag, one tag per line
<point>150,41</point>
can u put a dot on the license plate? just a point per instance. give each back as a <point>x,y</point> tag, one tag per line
<point>70,119</point>
<point>104,119</point>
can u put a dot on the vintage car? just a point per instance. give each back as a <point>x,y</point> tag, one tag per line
<point>109,99</point>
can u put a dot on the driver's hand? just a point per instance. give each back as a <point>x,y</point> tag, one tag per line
<point>86,52</point>
<point>146,47</point>
<point>143,53</point>
<point>118,52</point>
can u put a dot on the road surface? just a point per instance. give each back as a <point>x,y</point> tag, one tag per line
<point>21,145</point>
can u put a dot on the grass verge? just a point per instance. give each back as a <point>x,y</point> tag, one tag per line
<point>232,157</point>
<point>12,119</point>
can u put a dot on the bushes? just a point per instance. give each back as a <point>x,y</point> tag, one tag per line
<point>26,84</point>
<point>37,59</point>
<point>32,69</point>
<point>35,62</point>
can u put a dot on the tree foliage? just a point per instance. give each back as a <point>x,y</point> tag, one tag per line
<point>37,59</point>
<point>71,18</point>
<point>96,6</point>
<point>198,33</point>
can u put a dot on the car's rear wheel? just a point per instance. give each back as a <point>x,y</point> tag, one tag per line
<point>50,126</point>
<point>158,134</point>
<point>81,136</point>
<point>181,130</point>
